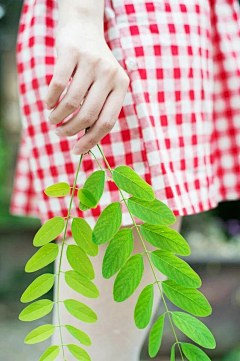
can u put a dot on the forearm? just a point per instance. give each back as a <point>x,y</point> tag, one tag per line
<point>90,10</point>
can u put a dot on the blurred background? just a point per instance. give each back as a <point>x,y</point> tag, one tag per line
<point>214,236</point>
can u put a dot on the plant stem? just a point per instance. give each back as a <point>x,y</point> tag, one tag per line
<point>61,254</point>
<point>148,257</point>
<point>96,159</point>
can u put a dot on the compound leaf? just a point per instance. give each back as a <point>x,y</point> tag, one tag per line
<point>118,251</point>
<point>38,287</point>
<point>155,336</point>
<point>79,261</point>
<point>175,268</point>
<point>95,185</point>
<point>81,336</point>
<point>154,212</point>
<point>80,311</point>
<point>58,190</point>
<point>194,329</point>
<point>39,334</point>
<point>43,257</point>
<point>82,234</point>
<point>49,231</point>
<point>81,284</point>
<point>79,353</point>
<point>165,238</point>
<point>36,310</point>
<point>50,354</point>
<point>130,182</point>
<point>108,223</point>
<point>143,309</point>
<point>128,278</point>
<point>188,299</point>
<point>193,353</point>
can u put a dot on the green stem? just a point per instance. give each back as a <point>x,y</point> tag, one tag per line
<point>96,159</point>
<point>61,255</point>
<point>148,257</point>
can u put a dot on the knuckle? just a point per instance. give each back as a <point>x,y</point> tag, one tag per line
<point>91,59</point>
<point>108,124</point>
<point>58,84</point>
<point>71,104</point>
<point>124,80</point>
<point>109,69</point>
<point>88,117</point>
<point>113,72</point>
<point>68,132</point>
<point>94,61</point>
<point>73,50</point>
<point>85,124</point>
<point>89,143</point>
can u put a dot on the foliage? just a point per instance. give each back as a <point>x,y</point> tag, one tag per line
<point>152,224</point>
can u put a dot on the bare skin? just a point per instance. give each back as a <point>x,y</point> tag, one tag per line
<point>97,77</point>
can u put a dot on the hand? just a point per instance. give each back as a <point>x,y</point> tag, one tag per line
<point>97,77</point>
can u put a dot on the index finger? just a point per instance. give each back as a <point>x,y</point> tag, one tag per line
<point>62,73</point>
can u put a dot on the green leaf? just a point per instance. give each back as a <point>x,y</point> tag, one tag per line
<point>130,182</point>
<point>128,278</point>
<point>154,212</point>
<point>86,198</point>
<point>43,257</point>
<point>39,334</point>
<point>50,354</point>
<point>143,309</point>
<point>81,336</point>
<point>81,284</point>
<point>79,353</point>
<point>80,311</point>
<point>108,223</point>
<point>79,261</point>
<point>82,234</point>
<point>155,336</point>
<point>118,251</point>
<point>49,231</point>
<point>193,353</point>
<point>38,287</point>
<point>36,310</point>
<point>175,268</point>
<point>188,299</point>
<point>58,190</point>
<point>172,357</point>
<point>165,238</point>
<point>95,185</point>
<point>194,329</point>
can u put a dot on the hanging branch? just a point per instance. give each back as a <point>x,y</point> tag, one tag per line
<point>180,287</point>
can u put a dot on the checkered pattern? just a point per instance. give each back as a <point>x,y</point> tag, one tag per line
<point>179,127</point>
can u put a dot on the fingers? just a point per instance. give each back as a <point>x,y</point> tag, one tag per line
<point>104,124</point>
<point>62,73</point>
<point>70,103</point>
<point>89,111</point>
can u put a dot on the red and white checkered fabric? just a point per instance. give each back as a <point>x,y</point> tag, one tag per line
<point>179,127</point>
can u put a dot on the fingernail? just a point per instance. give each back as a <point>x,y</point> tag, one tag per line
<point>58,130</point>
<point>47,106</point>
<point>76,150</point>
<point>51,119</point>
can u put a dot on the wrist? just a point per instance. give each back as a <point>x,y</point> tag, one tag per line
<point>84,13</point>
